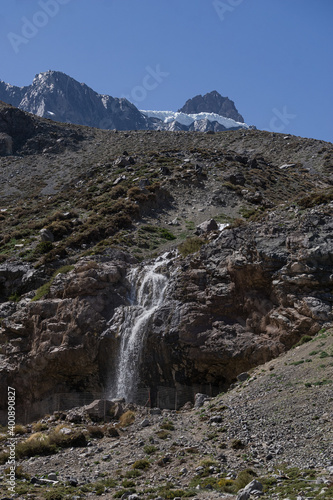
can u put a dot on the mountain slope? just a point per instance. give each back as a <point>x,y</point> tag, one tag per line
<point>92,203</point>
<point>275,427</point>
<point>59,97</point>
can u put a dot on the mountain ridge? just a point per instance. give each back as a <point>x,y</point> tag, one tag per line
<point>57,96</point>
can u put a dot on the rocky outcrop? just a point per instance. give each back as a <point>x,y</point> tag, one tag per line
<point>249,295</point>
<point>54,344</point>
<point>59,97</point>
<point>212,102</point>
<point>22,132</point>
<point>246,297</point>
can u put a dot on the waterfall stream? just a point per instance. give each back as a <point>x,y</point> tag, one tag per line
<point>132,322</point>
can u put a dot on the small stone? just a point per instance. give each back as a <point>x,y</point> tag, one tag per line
<point>199,399</point>
<point>52,476</point>
<point>145,423</point>
<point>155,411</point>
<point>243,376</point>
<point>217,419</point>
<point>46,235</point>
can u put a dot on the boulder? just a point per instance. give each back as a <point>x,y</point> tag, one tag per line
<point>206,227</point>
<point>6,144</point>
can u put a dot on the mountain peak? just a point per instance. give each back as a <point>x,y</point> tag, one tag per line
<point>58,96</point>
<point>212,102</point>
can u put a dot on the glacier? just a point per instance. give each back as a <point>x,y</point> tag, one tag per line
<point>187,119</point>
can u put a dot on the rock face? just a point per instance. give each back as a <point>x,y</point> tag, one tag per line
<point>54,343</point>
<point>247,296</point>
<point>24,133</point>
<point>57,96</point>
<point>212,102</point>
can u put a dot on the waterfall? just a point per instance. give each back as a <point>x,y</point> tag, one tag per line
<point>131,324</point>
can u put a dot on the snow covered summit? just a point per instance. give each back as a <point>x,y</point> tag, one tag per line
<point>193,121</point>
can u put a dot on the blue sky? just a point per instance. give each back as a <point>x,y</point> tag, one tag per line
<point>272,57</point>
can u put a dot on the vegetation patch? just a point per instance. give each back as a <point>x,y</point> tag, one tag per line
<point>191,245</point>
<point>45,289</point>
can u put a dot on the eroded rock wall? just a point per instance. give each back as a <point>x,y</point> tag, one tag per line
<point>247,296</point>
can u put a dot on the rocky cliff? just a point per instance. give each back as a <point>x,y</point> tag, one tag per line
<point>59,97</point>
<point>77,217</point>
<point>246,297</point>
<point>212,102</point>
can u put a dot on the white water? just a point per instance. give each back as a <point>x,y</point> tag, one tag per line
<point>146,295</point>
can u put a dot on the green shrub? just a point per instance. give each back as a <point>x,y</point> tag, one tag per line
<point>75,439</point>
<point>166,235</point>
<point>20,429</point>
<point>167,425</point>
<point>14,297</point>
<point>127,483</point>
<point>37,444</point>
<point>163,434</point>
<point>191,245</point>
<point>149,449</point>
<point>303,340</point>
<point>318,198</point>
<point>44,289</point>
<point>142,464</point>
<point>42,248</point>
<point>133,473</point>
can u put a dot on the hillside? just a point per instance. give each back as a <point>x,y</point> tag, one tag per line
<point>275,427</point>
<point>86,215</point>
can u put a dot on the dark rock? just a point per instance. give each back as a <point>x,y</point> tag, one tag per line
<point>155,411</point>
<point>243,376</point>
<point>217,419</point>
<point>46,235</point>
<point>165,171</point>
<point>212,102</point>
<point>199,400</point>
<point>61,98</point>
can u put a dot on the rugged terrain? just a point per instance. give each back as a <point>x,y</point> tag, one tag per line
<point>81,206</point>
<point>274,427</point>
<point>59,97</point>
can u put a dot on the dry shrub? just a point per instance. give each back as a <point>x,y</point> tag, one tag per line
<point>127,418</point>
<point>95,431</point>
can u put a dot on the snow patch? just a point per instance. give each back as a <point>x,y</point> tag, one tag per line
<point>187,119</point>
